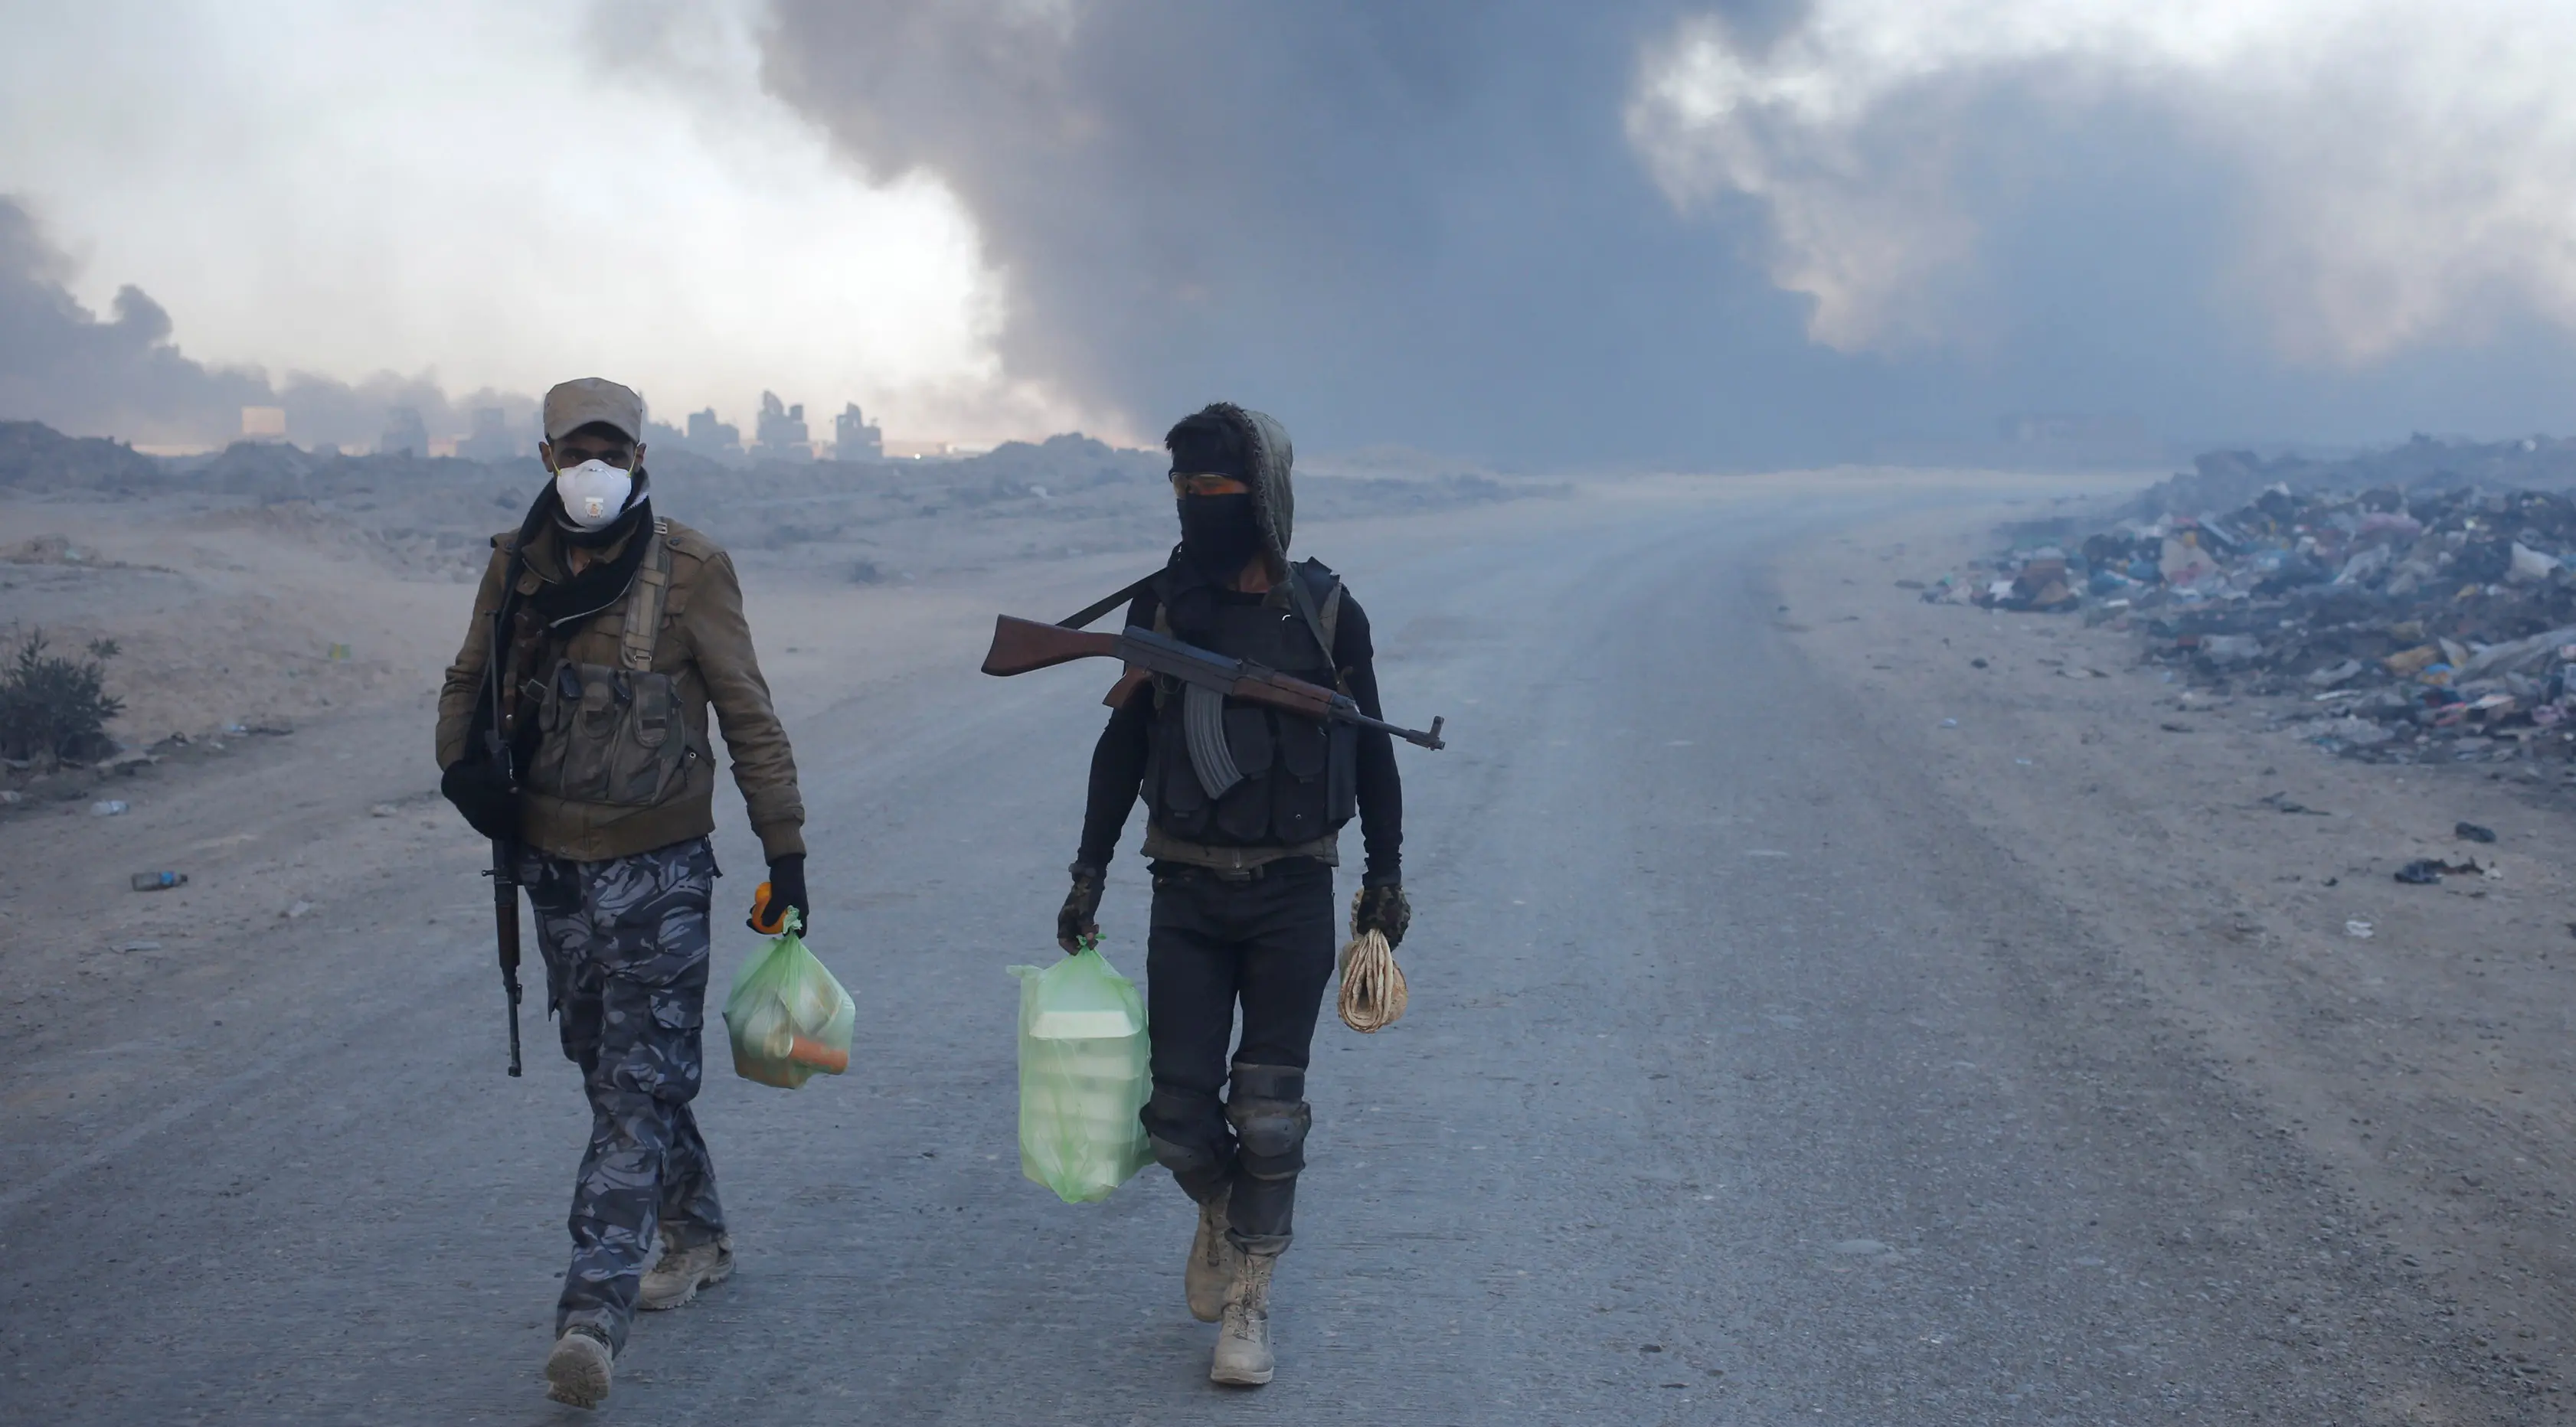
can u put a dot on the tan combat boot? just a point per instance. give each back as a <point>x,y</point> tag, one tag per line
<point>682,1272</point>
<point>1212,1258</point>
<point>1243,1345</point>
<point>577,1370</point>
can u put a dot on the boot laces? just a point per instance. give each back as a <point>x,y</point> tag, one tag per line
<point>1247,1299</point>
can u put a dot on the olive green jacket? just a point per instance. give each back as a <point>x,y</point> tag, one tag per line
<point>705,646</point>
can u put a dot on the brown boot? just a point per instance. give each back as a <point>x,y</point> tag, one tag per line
<point>682,1272</point>
<point>577,1370</point>
<point>1212,1258</point>
<point>1243,1346</point>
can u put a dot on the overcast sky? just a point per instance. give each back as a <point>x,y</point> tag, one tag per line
<point>1634,231</point>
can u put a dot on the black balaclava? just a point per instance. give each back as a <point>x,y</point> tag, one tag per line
<point>1219,533</point>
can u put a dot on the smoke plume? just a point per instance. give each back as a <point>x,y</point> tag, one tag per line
<point>1417,222</point>
<point>1749,232</point>
<point>125,377</point>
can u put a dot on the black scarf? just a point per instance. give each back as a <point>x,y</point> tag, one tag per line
<point>596,588</point>
<point>603,582</point>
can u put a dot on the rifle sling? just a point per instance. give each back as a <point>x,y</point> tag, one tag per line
<point>1314,623</point>
<point>1094,611</point>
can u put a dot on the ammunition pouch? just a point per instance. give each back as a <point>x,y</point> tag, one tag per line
<point>1226,773</point>
<point>610,736</point>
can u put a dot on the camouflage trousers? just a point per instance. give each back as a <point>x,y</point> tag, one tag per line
<point>625,944</point>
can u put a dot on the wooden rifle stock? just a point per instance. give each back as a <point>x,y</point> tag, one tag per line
<point>1020,645</point>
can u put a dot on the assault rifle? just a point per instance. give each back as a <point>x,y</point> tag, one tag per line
<point>505,908</point>
<point>496,747</point>
<point>1208,679</point>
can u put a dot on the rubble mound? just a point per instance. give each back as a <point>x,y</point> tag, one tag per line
<point>2431,623</point>
<point>36,457</point>
<point>2224,480</point>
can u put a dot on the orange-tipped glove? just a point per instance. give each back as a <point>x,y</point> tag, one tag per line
<point>784,889</point>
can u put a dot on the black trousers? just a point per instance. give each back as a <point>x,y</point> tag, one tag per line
<point>1266,944</point>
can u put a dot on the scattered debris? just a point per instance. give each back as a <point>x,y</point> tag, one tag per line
<point>384,810</point>
<point>156,881</point>
<point>2361,929</point>
<point>108,808</point>
<point>139,946</point>
<point>2280,803</point>
<point>2420,620</point>
<point>2473,832</point>
<point>2429,871</point>
<point>295,910</point>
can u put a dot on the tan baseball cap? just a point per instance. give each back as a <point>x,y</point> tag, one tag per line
<point>575,404</point>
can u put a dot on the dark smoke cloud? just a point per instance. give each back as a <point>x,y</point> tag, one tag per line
<point>1425,223</point>
<point>125,377</point>
<point>1414,222</point>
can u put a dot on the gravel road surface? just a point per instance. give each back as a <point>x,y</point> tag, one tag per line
<point>1739,1083</point>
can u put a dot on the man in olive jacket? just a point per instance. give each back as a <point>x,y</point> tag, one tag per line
<point>619,631</point>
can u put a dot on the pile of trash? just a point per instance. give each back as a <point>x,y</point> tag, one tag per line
<point>2412,625</point>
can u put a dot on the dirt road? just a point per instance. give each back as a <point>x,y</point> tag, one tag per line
<point>1759,1067</point>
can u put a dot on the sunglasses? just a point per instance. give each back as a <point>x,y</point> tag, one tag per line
<point>1207,485</point>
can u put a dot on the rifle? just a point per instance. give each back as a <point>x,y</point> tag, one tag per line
<point>505,918</point>
<point>1209,679</point>
<point>496,746</point>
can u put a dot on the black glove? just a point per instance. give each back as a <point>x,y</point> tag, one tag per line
<point>1382,909</point>
<point>485,798</point>
<point>1080,917</point>
<point>784,889</point>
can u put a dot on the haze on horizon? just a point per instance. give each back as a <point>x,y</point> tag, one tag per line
<point>1722,234</point>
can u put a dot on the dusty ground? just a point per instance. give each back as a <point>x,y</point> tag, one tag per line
<point>2413,1038</point>
<point>1772,1042</point>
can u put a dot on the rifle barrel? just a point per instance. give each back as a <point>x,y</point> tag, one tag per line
<point>505,923</point>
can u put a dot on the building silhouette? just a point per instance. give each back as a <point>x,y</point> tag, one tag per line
<point>781,434</point>
<point>405,435</point>
<point>710,437</point>
<point>855,438</point>
<point>491,440</point>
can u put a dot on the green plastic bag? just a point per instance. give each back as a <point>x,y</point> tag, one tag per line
<point>1083,1077</point>
<point>787,1018</point>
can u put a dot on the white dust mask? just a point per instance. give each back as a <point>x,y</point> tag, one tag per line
<point>594,493</point>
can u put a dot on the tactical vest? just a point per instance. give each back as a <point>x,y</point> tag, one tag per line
<point>615,735</point>
<point>1300,777</point>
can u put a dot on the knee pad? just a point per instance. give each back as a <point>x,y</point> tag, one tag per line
<point>1187,1131</point>
<point>1268,1110</point>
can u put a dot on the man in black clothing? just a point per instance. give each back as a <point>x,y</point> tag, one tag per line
<point>1243,842</point>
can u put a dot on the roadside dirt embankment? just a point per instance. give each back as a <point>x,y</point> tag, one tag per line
<point>2412,1038</point>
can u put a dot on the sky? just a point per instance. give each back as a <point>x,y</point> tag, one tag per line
<point>491,195</point>
<point>1632,232</point>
